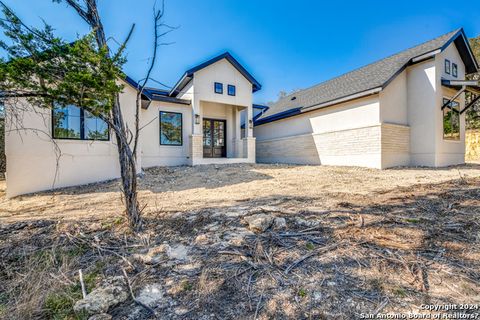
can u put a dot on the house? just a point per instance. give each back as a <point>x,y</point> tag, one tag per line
<point>197,122</point>
<point>407,109</point>
<point>404,110</point>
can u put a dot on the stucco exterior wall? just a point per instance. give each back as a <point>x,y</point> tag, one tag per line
<point>393,101</point>
<point>448,152</point>
<point>422,105</point>
<point>223,72</point>
<point>32,156</point>
<point>346,134</point>
<point>152,152</point>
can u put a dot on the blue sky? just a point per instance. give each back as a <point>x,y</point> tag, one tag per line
<point>286,45</point>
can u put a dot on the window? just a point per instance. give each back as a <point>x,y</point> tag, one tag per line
<point>71,122</point>
<point>218,87</point>
<point>451,120</point>
<point>231,90</point>
<point>171,128</point>
<point>454,70</point>
<point>447,66</point>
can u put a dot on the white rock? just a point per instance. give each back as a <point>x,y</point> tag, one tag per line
<point>151,295</point>
<point>259,222</point>
<point>237,236</point>
<point>178,252</point>
<point>154,255</point>
<point>101,299</point>
<point>279,223</point>
<point>306,223</point>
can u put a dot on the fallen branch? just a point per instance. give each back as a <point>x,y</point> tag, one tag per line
<point>309,255</point>
<point>84,291</point>
<point>140,303</point>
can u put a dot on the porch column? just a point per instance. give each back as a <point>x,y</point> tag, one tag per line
<point>196,138</point>
<point>238,133</point>
<point>249,140</point>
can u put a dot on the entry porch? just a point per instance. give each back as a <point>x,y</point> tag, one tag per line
<point>222,134</point>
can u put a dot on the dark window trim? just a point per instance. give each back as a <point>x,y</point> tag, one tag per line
<point>215,87</point>
<point>181,129</point>
<point>231,86</point>
<point>454,70</point>
<point>447,63</point>
<point>82,128</point>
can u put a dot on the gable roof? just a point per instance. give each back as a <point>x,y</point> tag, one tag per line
<point>367,80</point>
<point>188,75</point>
<point>152,94</point>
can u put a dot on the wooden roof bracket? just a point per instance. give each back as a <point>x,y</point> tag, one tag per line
<point>447,104</point>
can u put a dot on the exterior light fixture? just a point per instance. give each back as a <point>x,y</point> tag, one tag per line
<point>197,119</point>
<point>250,124</point>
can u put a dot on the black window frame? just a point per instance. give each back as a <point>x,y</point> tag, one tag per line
<point>160,127</point>
<point>448,66</point>
<point>82,127</point>
<point>220,87</point>
<point>231,86</point>
<point>454,109</point>
<point>454,70</point>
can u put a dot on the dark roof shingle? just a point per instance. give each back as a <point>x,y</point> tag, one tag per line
<point>374,75</point>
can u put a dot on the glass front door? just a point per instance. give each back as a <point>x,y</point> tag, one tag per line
<point>214,136</point>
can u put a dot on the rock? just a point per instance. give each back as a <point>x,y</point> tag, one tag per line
<point>237,236</point>
<point>279,223</point>
<point>201,239</point>
<point>101,299</point>
<point>269,209</point>
<point>212,227</point>
<point>306,223</point>
<point>151,295</point>
<point>178,252</point>
<point>154,255</point>
<point>180,311</point>
<point>259,222</point>
<point>101,316</point>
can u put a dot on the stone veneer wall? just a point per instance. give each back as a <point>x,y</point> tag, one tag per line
<point>378,146</point>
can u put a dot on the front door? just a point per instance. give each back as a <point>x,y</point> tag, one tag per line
<point>214,136</point>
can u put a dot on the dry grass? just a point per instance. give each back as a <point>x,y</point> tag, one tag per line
<point>393,239</point>
<point>472,145</point>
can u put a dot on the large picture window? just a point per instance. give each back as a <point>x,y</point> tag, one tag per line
<point>451,121</point>
<point>71,122</point>
<point>171,128</point>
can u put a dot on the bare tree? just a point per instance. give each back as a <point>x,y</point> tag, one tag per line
<point>126,138</point>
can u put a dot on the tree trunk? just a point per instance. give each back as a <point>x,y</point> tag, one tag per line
<point>128,169</point>
<point>127,159</point>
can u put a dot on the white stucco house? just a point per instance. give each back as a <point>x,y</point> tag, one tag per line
<point>406,109</point>
<point>198,121</point>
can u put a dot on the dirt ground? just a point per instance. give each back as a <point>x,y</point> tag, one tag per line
<point>356,241</point>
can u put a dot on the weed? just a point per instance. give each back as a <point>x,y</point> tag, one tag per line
<point>302,292</point>
<point>187,285</point>
<point>310,246</point>
<point>59,305</point>
<point>400,292</point>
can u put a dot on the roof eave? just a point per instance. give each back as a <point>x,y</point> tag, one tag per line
<point>301,110</point>
<point>189,74</point>
<point>464,51</point>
